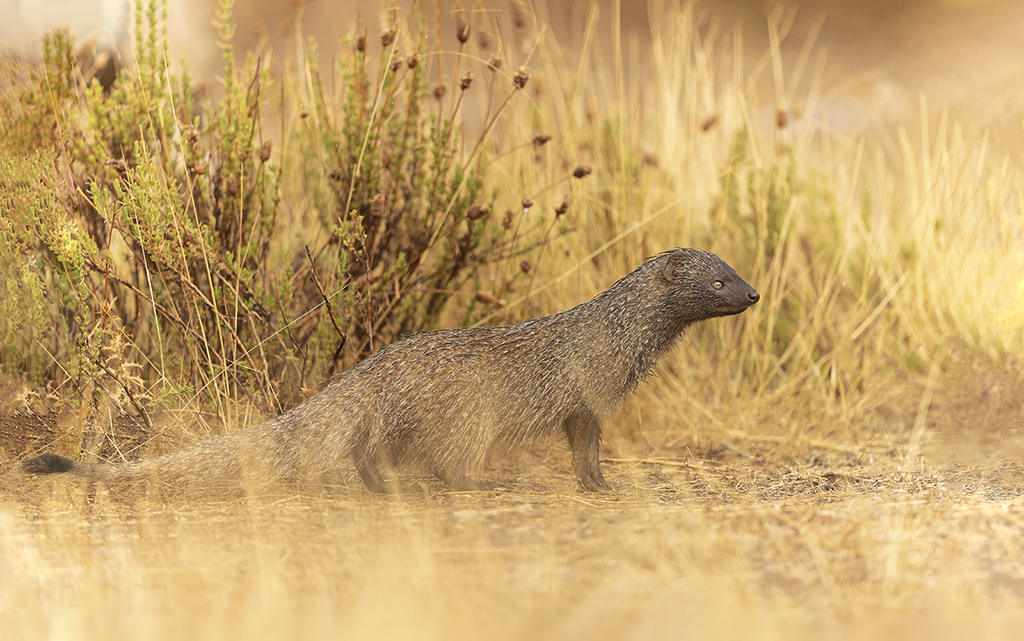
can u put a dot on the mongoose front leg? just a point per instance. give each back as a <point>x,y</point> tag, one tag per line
<point>584,433</point>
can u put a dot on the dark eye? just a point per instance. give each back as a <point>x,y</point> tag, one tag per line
<point>718,284</point>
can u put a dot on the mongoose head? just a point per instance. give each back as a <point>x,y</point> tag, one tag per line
<point>702,286</point>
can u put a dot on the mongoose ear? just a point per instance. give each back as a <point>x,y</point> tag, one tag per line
<point>675,259</point>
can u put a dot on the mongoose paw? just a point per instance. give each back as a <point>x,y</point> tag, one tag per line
<point>598,484</point>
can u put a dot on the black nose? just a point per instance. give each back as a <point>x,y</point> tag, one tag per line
<point>753,297</point>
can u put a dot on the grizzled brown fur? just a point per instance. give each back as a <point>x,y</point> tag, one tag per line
<point>444,399</point>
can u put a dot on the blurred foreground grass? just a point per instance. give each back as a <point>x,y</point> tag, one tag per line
<point>809,554</point>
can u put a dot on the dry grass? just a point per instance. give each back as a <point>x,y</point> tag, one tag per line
<point>844,460</point>
<point>716,533</point>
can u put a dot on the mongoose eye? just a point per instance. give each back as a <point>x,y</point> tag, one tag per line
<point>718,284</point>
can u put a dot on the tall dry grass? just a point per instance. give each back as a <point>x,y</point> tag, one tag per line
<point>772,478</point>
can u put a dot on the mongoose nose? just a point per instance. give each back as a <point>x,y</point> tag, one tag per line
<point>753,297</point>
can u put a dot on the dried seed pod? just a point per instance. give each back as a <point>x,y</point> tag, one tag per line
<point>361,42</point>
<point>489,299</point>
<point>709,122</point>
<point>651,160</point>
<point>303,114</point>
<point>541,139</point>
<point>781,117</point>
<point>478,211</point>
<point>412,60</point>
<point>265,150</point>
<point>527,203</point>
<point>387,37</point>
<point>484,38</point>
<point>521,77</point>
<point>201,167</point>
<point>440,90</point>
<point>561,209</point>
<point>508,219</point>
<point>495,62</point>
<point>519,14</point>
<point>462,28</point>
<point>395,64</point>
<point>466,81</point>
<point>231,186</point>
<point>582,170</point>
<point>525,266</point>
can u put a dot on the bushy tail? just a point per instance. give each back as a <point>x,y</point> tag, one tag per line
<point>53,464</point>
<point>242,460</point>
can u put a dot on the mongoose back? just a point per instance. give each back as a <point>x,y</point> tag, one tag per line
<point>444,399</point>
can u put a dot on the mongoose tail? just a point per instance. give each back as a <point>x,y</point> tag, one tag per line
<point>231,463</point>
<point>51,464</point>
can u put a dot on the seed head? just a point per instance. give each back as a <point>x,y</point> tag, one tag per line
<point>395,64</point>
<point>484,39</point>
<point>495,62</point>
<point>387,37</point>
<point>466,81</point>
<point>561,209</point>
<point>709,122</point>
<point>541,139</point>
<point>478,211</point>
<point>412,60</point>
<point>265,150</point>
<point>462,28</point>
<point>361,42</point>
<point>525,266</point>
<point>489,299</point>
<point>507,219</point>
<point>582,170</point>
<point>521,77</point>
<point>439,90</point>
<point>519,14</point>
<point>527,203</point>
<point>781,117</point>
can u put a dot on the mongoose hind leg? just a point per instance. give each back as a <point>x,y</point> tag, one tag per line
<point>368,471</point>
<point>584,433</point>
